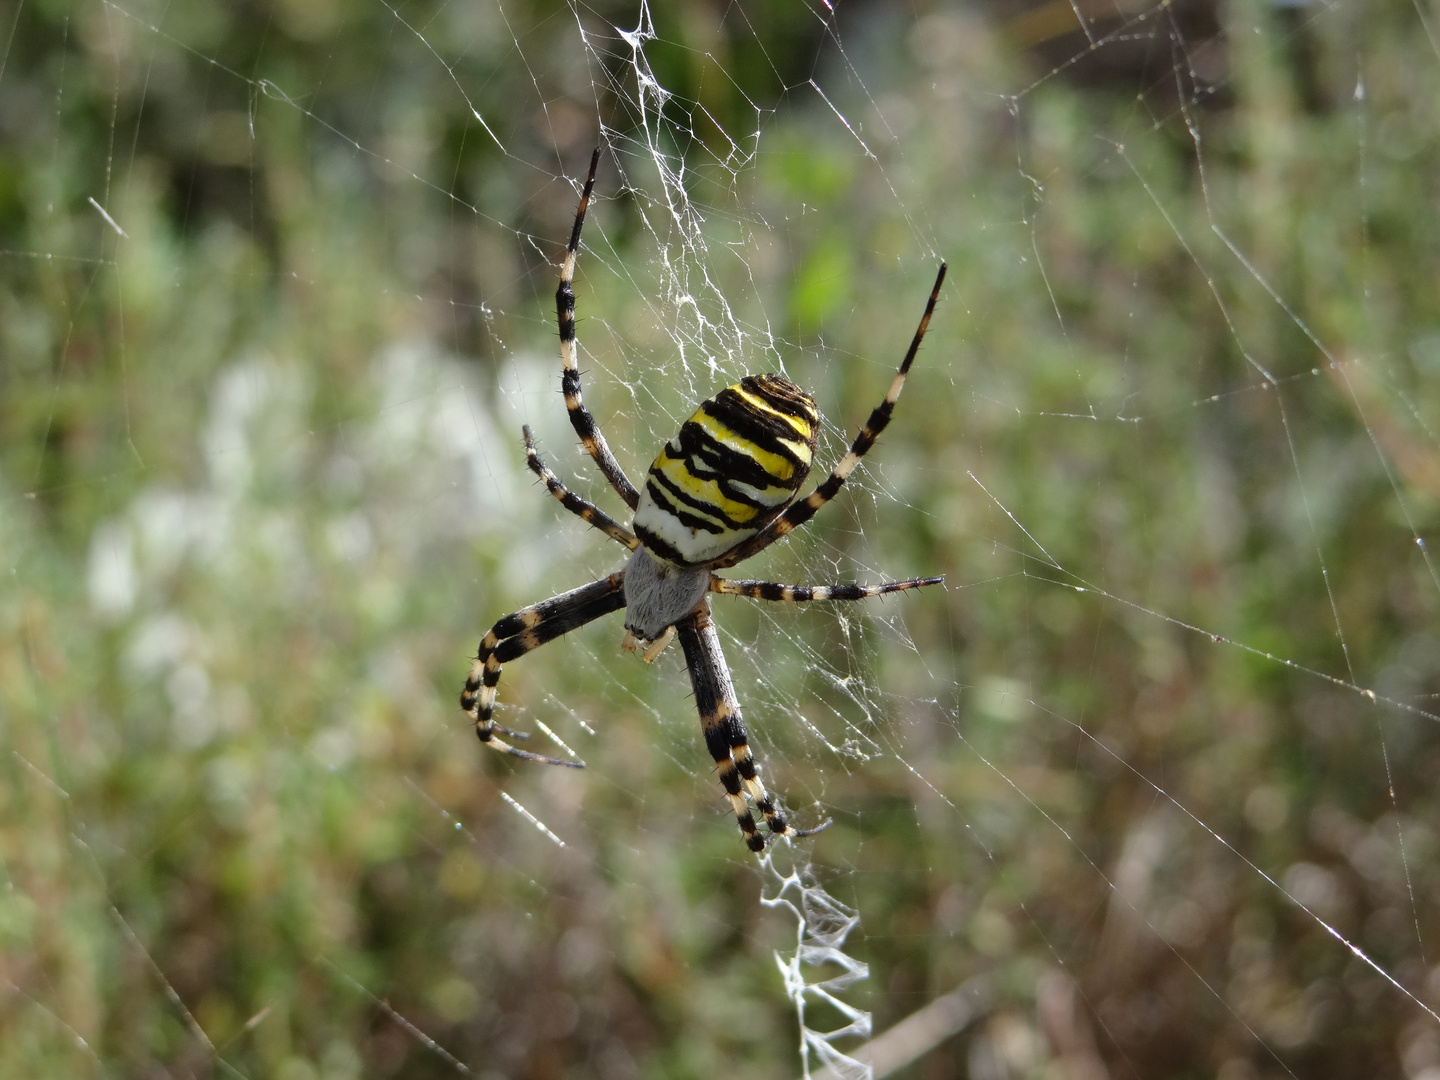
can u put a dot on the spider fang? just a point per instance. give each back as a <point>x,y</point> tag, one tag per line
<point>651,649</point>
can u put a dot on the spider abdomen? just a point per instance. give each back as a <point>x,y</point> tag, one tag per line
<point>735,464</point>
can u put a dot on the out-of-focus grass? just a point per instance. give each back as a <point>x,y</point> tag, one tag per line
<point>262,491</point>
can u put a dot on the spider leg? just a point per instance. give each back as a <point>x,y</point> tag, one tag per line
<point>800,512</point>
<point>773,590</point>
<point>515,635</point>
<point>574,503</point>
<point>725,735</point>
<point>580,418</point>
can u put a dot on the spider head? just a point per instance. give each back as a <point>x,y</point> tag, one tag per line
<point>657,595</point>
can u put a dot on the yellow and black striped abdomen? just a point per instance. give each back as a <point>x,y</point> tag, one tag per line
<point>736,463</point>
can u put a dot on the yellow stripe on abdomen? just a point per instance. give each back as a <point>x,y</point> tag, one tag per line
<point>735,464</point>
<point>779,467</point>
<point>704,496</point>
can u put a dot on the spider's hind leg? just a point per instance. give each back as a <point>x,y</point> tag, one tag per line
<point>584,510</point>
<point>797,513</point>
<point>580,418</point>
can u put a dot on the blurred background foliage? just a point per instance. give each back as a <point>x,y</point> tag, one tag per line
<point>261,490</point>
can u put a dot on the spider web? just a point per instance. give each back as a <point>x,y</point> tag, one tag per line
<point>1147,789</point>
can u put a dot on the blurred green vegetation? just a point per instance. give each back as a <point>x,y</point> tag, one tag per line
<point>1171,439</point>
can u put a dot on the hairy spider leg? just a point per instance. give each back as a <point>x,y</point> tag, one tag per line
<point>799,513</point>
<point>582,509</point>
<point>580,418</point>
<point>725,735</point>
<point>514,636</point>
<point>774,590</point>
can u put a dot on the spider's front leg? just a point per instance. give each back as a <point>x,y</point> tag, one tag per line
<point>725,735</point>
<point>514,636</point>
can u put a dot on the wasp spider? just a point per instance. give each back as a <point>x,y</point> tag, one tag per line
<point>719,492</point>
